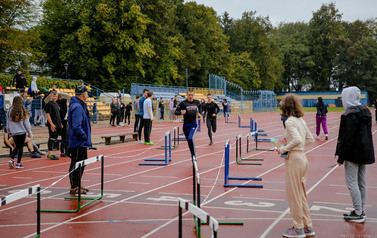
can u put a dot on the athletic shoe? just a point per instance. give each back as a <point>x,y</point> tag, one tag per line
<point>326,137</point>
<point>52,157</point>
<point>11,163</point>
<point>35,155</point>
<point>317,137</point>
<point>76,191</point>
<point>148,143</point>
<point>140,141</point>
<point>309,231</point>
<point>210,143</point>
<point>63,155</point>
<point>19,166</point>
<point>353,217</point>
<point>293,232</point>
<point>353,213</point>
<point>85,189</point>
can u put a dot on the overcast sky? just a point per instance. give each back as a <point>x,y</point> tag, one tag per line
<point>292,10</point>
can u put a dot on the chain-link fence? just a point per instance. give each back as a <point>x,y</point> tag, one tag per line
<point>242,101</point>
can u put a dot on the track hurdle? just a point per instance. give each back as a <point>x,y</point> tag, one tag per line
<point>197,212</point>
<point>196,197</point>
<point>167,158</point>
<point>239,158</point>
<point>226,172</point>
<point>79,166</point>
<point>196,192</point>
<point>24,193</point>
<point>254,127</point>
<point>255,135</point>
<point>239,123</point>
<point>175,141</point>
<point>227,119</point>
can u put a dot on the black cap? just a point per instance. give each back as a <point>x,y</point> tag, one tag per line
<point>80,89</point>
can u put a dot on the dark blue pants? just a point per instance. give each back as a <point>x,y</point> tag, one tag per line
<point>190,130</point>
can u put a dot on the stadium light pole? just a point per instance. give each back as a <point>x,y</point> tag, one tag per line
<point>186,79</point>
<point>66,70</point>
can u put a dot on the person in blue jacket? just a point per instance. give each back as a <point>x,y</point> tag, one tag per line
<point>79,135</point>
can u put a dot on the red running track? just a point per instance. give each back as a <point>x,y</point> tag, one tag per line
<point>140,201</point>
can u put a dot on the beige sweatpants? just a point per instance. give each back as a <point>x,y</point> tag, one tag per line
<point>296,166</point>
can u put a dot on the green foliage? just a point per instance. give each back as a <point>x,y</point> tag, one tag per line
<point>16,51</point>
<point>253,34</point>
<point>7,81</point>
<point>325,28</point>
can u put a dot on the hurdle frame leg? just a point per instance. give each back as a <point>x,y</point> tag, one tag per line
<point>167,158</point>
<point>239,158</point>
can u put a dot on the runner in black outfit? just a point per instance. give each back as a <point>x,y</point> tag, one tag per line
<point>190,109</point>
<point>211,109</point>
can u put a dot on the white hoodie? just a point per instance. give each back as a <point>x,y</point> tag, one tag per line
<point>351,97</point>
<point>33,85</point>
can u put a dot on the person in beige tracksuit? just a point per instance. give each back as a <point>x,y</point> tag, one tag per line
<point>297,135</point>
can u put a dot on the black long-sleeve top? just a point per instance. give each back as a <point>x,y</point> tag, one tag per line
<point>211,108</point>
<point>192,110</point>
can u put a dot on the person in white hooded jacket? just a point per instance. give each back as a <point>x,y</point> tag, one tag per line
<point>34,87</point>
<point>355,150</point>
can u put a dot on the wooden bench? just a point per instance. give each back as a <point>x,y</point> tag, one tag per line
<point>121,136</point>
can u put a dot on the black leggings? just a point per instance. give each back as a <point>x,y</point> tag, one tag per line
<point>112,118</point>
<point>53,135</point>
<point>127,116</point>
<point>211,125</point>
<point>141,125</point>
<point>19,140</point>
<point>137,121</point>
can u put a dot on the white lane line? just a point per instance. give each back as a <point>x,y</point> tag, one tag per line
<point>138,183</point>
<point>155,176</point>
<point>265,233</point>
<point>22,177</point>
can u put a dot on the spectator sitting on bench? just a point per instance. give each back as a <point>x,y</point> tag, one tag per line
<point>33,148</point>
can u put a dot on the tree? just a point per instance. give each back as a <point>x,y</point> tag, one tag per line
<point>254,35</point>
<point>167,43</point>
<point>103,42</point>
<point>325,28</point>
<point>16,17</point>
<point>293,41</point>
<point>206,48</point>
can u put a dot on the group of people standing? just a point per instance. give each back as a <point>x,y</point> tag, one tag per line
<point>72,124</point>
<point>144,116</point>
<point>120,111</point>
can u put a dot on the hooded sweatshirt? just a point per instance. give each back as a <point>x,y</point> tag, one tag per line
<point>33,85</point>
<point>355,142</point>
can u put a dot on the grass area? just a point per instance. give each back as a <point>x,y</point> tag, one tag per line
<point>329,109</point>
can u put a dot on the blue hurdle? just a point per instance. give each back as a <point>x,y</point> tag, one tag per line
<point>239,123</point>
<point>226,172</point>
<point>167,152</point>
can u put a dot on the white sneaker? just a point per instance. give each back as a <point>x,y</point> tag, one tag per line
<point>317,137</point>
<point>11,163</point>
<point>140,141</point>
